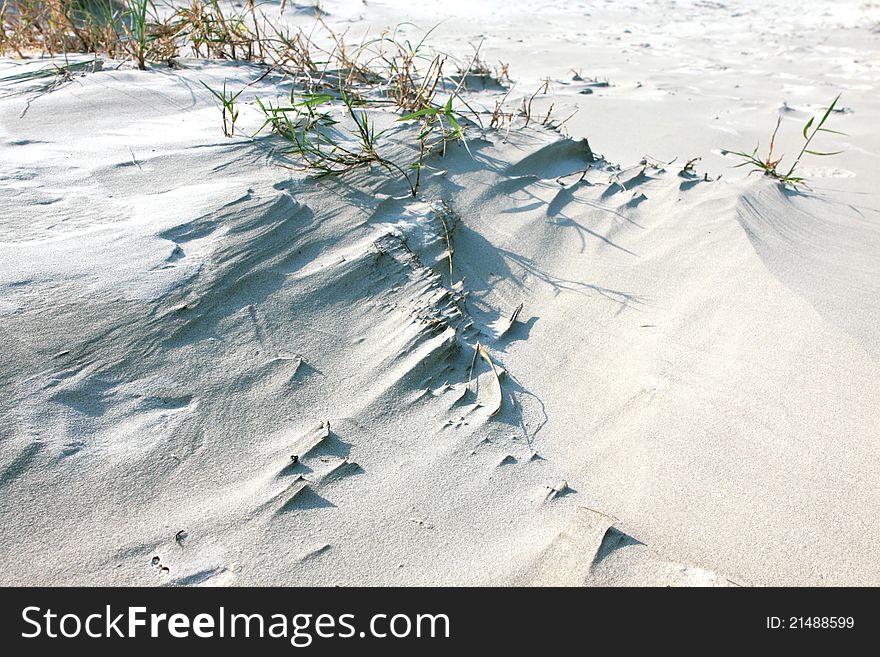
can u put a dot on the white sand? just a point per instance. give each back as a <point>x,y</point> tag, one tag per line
<point>690,392</point>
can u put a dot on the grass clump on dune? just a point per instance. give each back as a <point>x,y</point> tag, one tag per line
<point>227,107</point>
<point>769,166</point>
<point>332,81</point>
<point>329,122</point>
<point>325,72</point>
<point>115,28</point>
<point>320,151</point>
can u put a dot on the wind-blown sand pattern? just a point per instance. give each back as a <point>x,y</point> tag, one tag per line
<point>265,378</point>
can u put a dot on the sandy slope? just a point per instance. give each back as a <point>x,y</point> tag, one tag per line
<point>689,394</point>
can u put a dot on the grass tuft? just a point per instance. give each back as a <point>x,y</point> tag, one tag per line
<point>227,107</point>
<point>327,118</point>
<point>770,165</point>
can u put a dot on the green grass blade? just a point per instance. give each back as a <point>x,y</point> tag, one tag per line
<point>829,110</point>
<point>428,111</point>
<point>807,126</point>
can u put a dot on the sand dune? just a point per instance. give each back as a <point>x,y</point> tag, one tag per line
<point>264,378</point>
